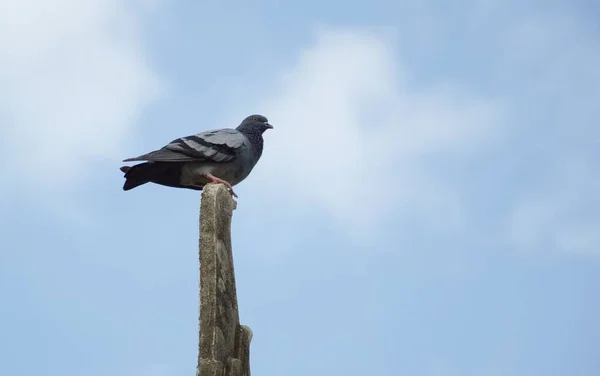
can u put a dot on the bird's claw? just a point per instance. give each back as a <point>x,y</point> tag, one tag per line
<point>216,180</point>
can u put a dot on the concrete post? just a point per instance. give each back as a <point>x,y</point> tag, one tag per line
<point>224,344</point>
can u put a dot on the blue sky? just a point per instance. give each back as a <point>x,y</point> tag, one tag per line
<point>427,204</point>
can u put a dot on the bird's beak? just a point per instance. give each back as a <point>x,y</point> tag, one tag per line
<point>269,126</point>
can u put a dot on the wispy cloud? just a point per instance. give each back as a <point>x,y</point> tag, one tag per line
<point>556,59</point>
<point>355,140</point>
<point>563,214</point>
<point>74,80</point>
<point>352,139</point>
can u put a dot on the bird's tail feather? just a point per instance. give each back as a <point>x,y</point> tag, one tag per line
<point>168,174</point>
<point>139,174</point>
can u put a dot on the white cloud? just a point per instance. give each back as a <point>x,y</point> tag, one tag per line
<point>74,79</point>
<point>352,139</point>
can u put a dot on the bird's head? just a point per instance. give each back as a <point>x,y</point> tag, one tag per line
<point>256,123</point>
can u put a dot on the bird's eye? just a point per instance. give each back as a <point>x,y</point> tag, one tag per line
<point>255,118</point>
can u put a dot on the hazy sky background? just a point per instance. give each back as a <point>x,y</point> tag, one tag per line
<point>428,203</point>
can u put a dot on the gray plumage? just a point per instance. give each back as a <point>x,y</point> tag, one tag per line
<point>193,161</point>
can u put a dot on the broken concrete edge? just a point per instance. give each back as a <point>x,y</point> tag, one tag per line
<point>242,350</point>
<point>248,332</point>
<point>224,344</point>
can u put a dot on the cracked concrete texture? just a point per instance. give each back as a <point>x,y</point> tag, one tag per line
<point>224,344</point>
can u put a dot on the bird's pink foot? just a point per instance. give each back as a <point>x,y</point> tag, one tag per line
<point>216,180</point>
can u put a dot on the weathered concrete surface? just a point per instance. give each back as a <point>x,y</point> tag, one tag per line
<point>224,344</point>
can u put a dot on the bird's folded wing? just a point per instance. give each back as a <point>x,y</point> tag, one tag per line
<point>219,145</point>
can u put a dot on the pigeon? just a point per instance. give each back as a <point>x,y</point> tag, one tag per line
<point>225,156</point>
